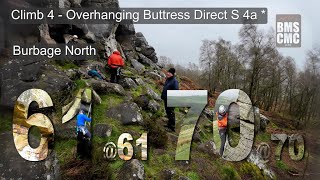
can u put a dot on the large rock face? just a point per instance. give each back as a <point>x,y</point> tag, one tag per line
<point>19,75</point>
<point>13,166</point>
<point>30,33</point>
<point>144,48</point>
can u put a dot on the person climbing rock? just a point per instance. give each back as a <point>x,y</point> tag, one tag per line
<point>115,63</point>
<point>81,124</point>
<point>170,84</point>
<point>222,118</point>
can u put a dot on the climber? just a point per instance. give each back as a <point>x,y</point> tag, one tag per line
<point>96,73</point>
<point>81,126</point>
<point>170,84</point>
<point>115,63</point>
<point>222,118</point>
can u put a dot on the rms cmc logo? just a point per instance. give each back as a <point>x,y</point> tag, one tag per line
<point>288,30</point>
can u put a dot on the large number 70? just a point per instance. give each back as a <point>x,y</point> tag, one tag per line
<point>196,100</point>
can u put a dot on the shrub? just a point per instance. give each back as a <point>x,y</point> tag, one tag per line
<point>250,170</point>
<point>229,172</point>
<point>157,136</point>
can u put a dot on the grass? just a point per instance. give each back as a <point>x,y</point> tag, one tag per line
<point>80,84</point>
<point>137,92</point>
<point>65,65</point>
<point>156,164</point>
<point>281,165</point>
<point>99,116</point>
<point>263,137</point>
<point>65,150</point>
<point>154,87</point>
<point>249,169</point>
<point>108,101</point>
<point>234,137</point>
<point>165,159</point>
<point>272,125</point>
<point>115,167</point>
<point>6,123</point>
<point>193,175</point>
<point>228,172</point>
<point>128,73</point>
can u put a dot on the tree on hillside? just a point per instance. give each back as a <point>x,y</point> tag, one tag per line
<point>165,62</point>
<point>207,60</point>
<point>259,48</point>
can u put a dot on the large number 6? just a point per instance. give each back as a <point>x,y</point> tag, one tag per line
<point>22,124</point>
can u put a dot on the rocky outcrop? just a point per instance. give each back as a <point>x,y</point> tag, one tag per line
<point>51,34</point>
<point>144,48</point>
<point>19,75</point>
<point>12,166</point>
<point>45,34</point>
<point>167,174</point>
<point>208,147</point>
<point>140,81</point>
<point>131,115</point>
<point>153,106</point>
<point>255,158</point>
<point>128,83</point>
<point>132,170</point>
<point>264,121</point>
<point>138,66</point>
<point>151,93</point>
<point>102,130</point>
<point>153,75</point>
<point>103,87</point>
<point>145,60</point>
<point>142,101</point>
<point>208,113</point>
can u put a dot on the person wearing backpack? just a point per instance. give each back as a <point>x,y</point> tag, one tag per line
<point>115,63</point>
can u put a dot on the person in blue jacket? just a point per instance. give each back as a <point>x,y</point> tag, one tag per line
<point>81,123</point>
<point>170,84</point>
<point>94,73</point>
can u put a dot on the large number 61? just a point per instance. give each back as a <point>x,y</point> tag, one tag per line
<point>197,100</point>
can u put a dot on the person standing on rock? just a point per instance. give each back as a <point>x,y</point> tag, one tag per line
<point>170,84</point>
<point>222,118</point>
<point>115,63</point>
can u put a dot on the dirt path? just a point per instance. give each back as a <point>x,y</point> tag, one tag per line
<point>313,146</point>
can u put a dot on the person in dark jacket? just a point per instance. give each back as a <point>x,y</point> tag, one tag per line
<point>170,84</point>
<point>115,63</point>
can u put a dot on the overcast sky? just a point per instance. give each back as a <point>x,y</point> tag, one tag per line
<point>182,42</point>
